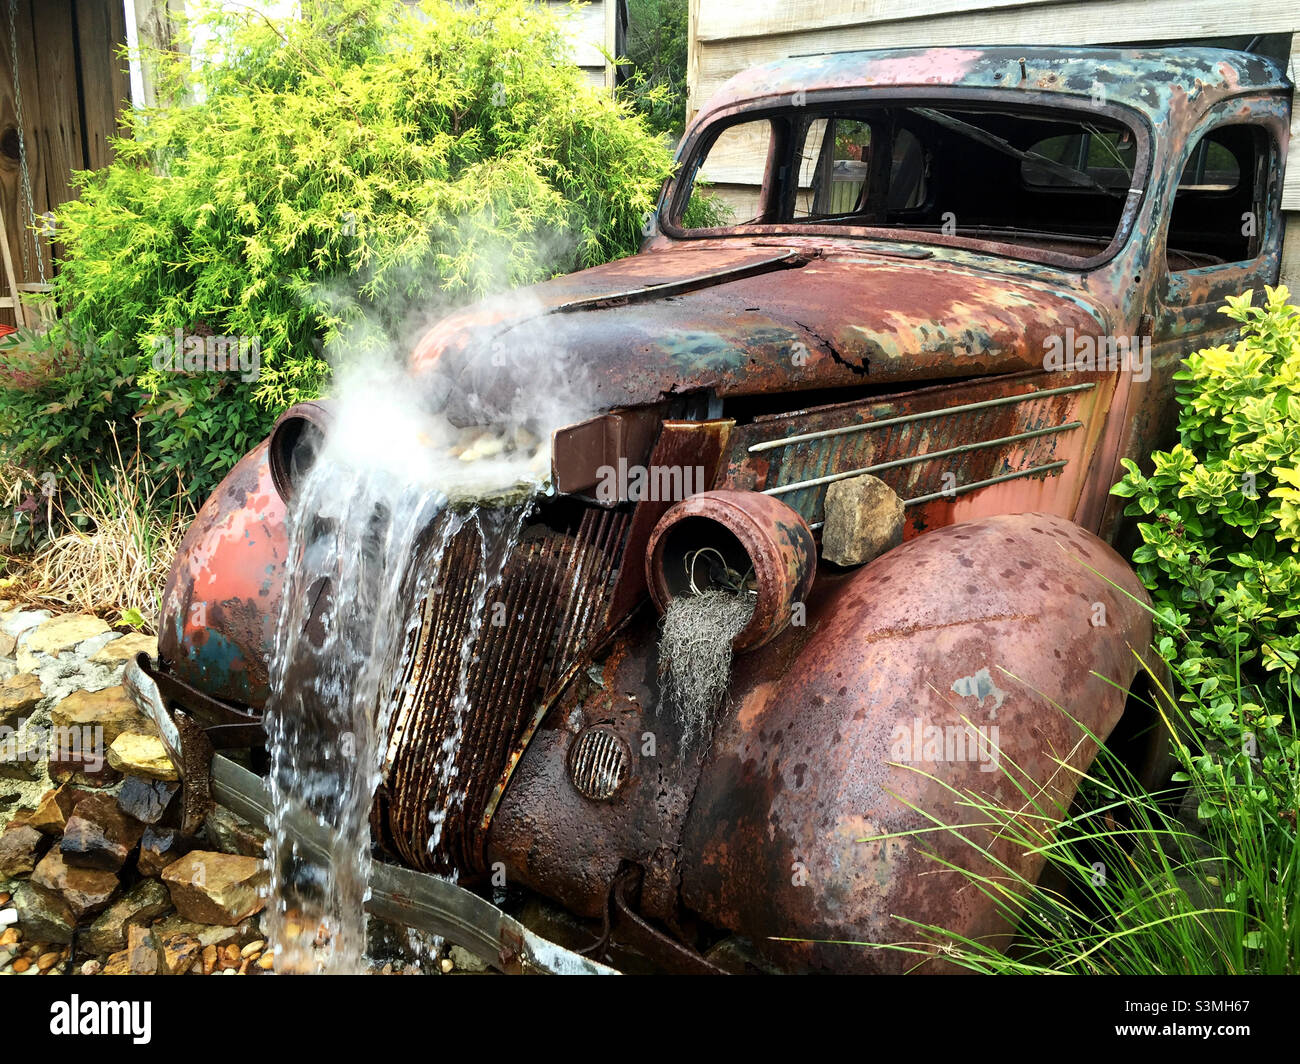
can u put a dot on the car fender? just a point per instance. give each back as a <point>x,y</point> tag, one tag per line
<point>1011,624</point>
<point>221,604</point>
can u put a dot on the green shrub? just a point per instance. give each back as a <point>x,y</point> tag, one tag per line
<point>365,161</point>
<point>1219,545</point>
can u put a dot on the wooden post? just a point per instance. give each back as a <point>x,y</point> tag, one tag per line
<point>156,25</point>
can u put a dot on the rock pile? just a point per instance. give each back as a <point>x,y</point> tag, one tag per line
<point>94,871</point>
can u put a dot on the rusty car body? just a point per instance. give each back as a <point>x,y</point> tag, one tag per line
<point>1057,195</point>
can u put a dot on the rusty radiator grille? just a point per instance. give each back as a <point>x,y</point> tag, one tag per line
<point>924,447</point>
<point>551,599</point>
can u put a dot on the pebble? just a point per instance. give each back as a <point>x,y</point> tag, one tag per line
<point>446,964</point>
<point>22,964</point>
<point>266,961</point>
<point>47,960</point>
<point>91,967</point>
<point>10,936</point>
<point>253,947</point>
<point>5,896</point>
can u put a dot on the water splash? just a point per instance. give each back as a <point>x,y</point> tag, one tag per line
<point>369,525</point>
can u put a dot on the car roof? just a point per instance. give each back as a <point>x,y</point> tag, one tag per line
<point>1150,80</point>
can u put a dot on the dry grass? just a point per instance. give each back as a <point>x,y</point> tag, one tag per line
<point>112,544</point>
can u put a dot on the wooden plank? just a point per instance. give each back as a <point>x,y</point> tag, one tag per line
<point>1074,22</point>
<point>585,29</point>
<point>10,175</point>
<point>1290,272</point>
<point>763,18</point>
<point>34,105</point>
<point>59,132</point>
<point>610,8</point>
<point>104,77</point>
<point>1291,180</point>
<point>739,156</point>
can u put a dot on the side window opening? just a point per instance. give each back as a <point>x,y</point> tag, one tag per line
<point>1046,179</point>
<point>1217,214</point>
<point>729,184</point>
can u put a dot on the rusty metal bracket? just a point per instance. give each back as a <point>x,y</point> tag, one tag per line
<point>196,757</point>
<point>649,939</point>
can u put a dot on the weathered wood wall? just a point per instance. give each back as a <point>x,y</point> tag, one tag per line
<point>596,36</point>
<point>728,37</point>
<point>73,86</point>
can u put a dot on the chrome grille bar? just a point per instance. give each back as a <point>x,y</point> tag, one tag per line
<point>830,478</point>
<point>925,415</point>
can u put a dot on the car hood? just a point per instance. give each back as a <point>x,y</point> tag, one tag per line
<point>748,320</point>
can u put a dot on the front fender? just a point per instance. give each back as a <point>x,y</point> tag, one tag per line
<point>222,600</point>
<point>990,624</point>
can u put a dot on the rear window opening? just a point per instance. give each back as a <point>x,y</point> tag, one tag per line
<point>1218,211</point>
<point>1044,180</point>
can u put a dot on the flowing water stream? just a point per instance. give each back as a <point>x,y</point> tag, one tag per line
<point>369,525</point>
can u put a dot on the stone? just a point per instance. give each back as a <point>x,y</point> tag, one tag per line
<point>209,959</point>
<point>266,961</point>
<point>110,709</point>
<point>254,947</point>
<point>85,891</point>
<point>44,917</point>
<point>19,695</point>
<point>118,963</point>
<point>142,755</point>
<point>216,888</point>
<point>124,649</point>
<point>864,518</point>
<point>142,904</point>
<point>178,952</point>
<point>21,755</point>
<point>250,929</point>
<point>142,951</point>
<point>91,967</point>
<point>63,633</point>
<point>46,961</point>
<point>145,800</point>
<point>8,644</point>
<point>465,961</point>
<point>230,833</point>
<point>20,621</point>
<point>52,812</point>
<point>99,834</point>
<point>20,849</point>
<point>159,847</point>
<point>207,934</point>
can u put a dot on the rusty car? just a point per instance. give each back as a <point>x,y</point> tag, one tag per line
<point>953,282</point>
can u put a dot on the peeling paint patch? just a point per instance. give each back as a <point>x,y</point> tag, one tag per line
<point>981,686</point>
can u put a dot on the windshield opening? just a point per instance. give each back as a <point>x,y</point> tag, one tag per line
<point>1047,180</point>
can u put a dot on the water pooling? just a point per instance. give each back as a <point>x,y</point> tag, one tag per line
<point>369,525</point>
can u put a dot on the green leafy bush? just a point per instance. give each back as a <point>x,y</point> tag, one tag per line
<point>1219,546</point>
<point>364,161</point>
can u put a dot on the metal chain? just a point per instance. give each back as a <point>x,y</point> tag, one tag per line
<point>22,151</point>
